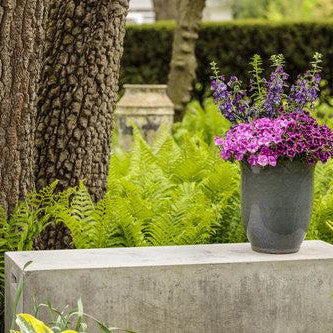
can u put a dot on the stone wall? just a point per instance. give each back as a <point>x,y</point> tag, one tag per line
<point>202,289</point>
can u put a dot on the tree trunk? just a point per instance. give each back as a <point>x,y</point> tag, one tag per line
<point>21,38</point>
<point>84,44</point>
<point>183,61</point>
<point>166,9</point>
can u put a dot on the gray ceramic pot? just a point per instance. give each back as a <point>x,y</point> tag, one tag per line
<point>277,205</point>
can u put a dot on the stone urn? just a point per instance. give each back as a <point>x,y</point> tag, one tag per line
<point>276,205</point>
<point>148,107</point>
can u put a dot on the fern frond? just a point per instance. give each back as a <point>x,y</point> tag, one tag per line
<point>162,136</point>
<point>221,181</point>
<point>78,217</point>
<point>119,165</point>
<point>142,156</point>
<point>129,229</point>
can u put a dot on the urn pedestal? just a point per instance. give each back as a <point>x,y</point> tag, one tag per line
<point>146,106</point>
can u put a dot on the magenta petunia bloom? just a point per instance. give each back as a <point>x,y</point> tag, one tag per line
<point>264,141</point>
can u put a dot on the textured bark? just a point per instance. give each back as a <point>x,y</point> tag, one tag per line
<point>54,237</point>
<point>84,44</point>
<point>20,44</point>
<point>183,61</point>
<point>166,9</point>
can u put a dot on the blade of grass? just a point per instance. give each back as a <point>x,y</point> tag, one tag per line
<point>18,295</point>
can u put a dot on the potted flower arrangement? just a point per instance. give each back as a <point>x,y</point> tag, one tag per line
<point>278,143</point>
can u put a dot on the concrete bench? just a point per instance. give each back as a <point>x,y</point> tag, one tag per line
<point>202,288</point>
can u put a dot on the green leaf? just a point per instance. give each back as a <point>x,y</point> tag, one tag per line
<point>79,314</point>
<point>18,294</point>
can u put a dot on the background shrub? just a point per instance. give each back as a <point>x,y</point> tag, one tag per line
<point>147,49</point>
<point>283,9</point>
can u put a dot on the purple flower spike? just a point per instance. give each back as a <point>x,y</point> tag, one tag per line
<point>274,90</point>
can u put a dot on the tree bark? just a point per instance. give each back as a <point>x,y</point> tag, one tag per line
<point>166,9</point>
<point>183,61</point>
<point>22,27</point>
<point>84,45</point>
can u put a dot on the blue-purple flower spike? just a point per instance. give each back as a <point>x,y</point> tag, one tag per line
<point>267,98</point>
<point>274,91</point>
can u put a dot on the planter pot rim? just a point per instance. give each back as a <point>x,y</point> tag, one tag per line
<point>280,163</point>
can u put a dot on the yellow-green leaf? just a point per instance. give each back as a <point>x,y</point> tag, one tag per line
<point>29,324</point>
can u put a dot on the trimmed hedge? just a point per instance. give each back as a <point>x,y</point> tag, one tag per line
<point>147,48</point>
<point>147,53</point>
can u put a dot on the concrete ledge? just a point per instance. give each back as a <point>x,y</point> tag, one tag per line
<point>202,288</point>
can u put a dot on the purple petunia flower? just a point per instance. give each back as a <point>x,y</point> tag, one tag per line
<point>266,140</point>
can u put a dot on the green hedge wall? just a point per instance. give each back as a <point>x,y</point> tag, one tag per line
<point>147,49</point>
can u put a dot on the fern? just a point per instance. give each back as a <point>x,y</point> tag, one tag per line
<point>167,194</point>
<point>201,121</point>
<point>323,203</point>
<point>19,230</point>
